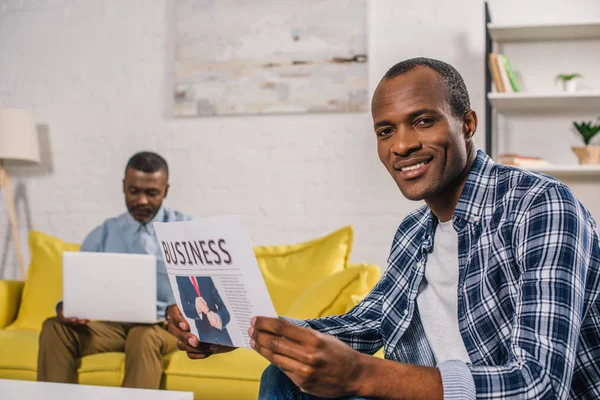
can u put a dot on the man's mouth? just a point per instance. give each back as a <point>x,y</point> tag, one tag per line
<point>142,212</point>
<point>413,167</point>
<point>410,169</point>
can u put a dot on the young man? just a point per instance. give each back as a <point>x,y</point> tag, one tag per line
<point>491,291</point>
<point>63,341</point>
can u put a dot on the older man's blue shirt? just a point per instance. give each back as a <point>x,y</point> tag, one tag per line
<point>123,234</point>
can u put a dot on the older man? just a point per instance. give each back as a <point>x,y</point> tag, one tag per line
<point>64,340</point>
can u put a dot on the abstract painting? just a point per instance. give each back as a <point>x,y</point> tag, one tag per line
<point>269,57</point>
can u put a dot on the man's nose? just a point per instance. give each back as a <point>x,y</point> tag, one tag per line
<point>142,199</point>
<point>404,142</point>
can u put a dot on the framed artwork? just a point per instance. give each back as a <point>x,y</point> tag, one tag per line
<point>237,57</point>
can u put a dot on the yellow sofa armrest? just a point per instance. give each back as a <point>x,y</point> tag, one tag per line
<point>10,298</point>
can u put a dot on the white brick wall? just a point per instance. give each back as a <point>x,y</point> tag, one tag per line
<point>96,73</point>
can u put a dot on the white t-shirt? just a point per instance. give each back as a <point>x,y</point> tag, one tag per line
<point>438,299</point>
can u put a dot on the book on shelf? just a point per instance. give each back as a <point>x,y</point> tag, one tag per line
<point>512,77</point>
<point>503,74</point>
<point>518,160</point>
<point>495,71</point>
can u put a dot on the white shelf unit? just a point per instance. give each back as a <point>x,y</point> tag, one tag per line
<point>523,101</point>
<point>568,170</point>
<point>539,32</point>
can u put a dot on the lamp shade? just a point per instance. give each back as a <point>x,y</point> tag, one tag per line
<point>18,136</point>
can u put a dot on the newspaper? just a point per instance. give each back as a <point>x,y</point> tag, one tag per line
<point>215,278</point>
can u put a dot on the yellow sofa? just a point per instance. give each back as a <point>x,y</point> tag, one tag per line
<point>305,280</point>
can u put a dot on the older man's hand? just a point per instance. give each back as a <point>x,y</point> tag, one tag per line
<point>68,321</point>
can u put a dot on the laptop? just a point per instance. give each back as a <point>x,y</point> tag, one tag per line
<point>109,287</point>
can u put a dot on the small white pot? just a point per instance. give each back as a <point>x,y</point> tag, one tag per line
<point>569,86</point>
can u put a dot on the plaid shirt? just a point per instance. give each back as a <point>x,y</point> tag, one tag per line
<point>528,306</point>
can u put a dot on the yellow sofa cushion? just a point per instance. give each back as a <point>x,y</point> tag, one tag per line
<point>18,351</point>
<point>10,298</point>
<point>43,288</point>
<point>241,363</point>
<point>234,375</point>
<point>333,294</point>
<point>288,270</point>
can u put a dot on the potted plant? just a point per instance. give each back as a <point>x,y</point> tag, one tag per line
<point>589,154</point>
<point>568,81</point>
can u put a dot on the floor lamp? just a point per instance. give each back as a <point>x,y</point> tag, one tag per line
<point>18,142</point>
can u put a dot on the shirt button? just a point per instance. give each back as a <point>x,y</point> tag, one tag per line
<point>476,218</point>
<point>406,312</point>
<point>420,264</point>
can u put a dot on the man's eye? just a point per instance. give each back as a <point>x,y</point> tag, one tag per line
<point>425,122</point>
<point>384,132</point>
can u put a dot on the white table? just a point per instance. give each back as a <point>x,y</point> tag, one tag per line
<point>13,390</point>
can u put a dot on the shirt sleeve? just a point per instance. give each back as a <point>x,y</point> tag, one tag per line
<point>360,328</point>
<point>457,380</point>
<point>94,241</point>
<point>553,245</point>
<point>179,216</point>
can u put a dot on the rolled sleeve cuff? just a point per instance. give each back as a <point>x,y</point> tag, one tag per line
<point>298,322</point>
<point>457,380</point>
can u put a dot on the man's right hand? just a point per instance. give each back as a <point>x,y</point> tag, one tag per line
<point>68,321</point>
<point>195,349</point>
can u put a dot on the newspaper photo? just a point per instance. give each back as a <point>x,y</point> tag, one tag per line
<point>215,277</point>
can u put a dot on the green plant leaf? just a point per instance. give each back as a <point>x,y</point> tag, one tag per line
<point>587,130</point>
<point>568,77</point>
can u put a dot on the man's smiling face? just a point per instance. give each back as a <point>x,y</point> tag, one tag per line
<point>419,140</point>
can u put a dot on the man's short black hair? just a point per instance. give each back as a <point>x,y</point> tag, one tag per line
<point>456,90</point>
<point>148,162</point>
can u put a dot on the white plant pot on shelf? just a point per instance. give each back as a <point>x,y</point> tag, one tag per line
<point>569,86</point>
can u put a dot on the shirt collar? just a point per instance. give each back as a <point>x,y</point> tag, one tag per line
<point>136,227</point>
<point>472,200</point>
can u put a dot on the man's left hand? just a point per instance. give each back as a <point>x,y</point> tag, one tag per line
<point>317,363</point>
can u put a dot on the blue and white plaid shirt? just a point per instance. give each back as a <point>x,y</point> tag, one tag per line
<point>528,306</point>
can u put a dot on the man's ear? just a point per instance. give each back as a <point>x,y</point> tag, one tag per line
<point>166,191</point>
<point>469,124</point>
<point>124,186</point>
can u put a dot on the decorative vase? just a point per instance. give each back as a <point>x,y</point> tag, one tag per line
<point>588,155</point>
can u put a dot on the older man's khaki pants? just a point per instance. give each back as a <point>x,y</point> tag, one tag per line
<point>61,347</point>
